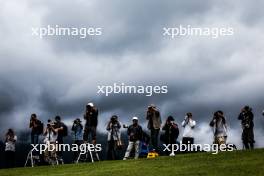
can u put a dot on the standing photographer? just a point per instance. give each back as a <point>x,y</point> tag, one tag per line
<point>10,148</point>
<point>188,124</point>
<point>220,128</point>
<point>134,133</point>
<point>171,131</point>
<point>113,137</point>
<point>36,128</point>
<point>62,132</point>
<point>91,117</point>
<point>246,116</point>
<point>51,135</point>
<point>154,124</point>
<point>77,130</point>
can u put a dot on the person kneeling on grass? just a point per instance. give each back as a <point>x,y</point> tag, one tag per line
<point>134,132</point>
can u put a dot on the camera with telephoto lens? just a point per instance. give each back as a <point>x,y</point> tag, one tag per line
<point>50,123</point>
<point>113,120</point>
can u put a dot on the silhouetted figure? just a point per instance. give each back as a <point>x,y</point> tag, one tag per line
<point>91,117</point>
<point>246,116</point>
<point>10,148</point>
<point>154,124</point>
<point>171,131</point>
<point>220,129</point>
<point>113,137</point>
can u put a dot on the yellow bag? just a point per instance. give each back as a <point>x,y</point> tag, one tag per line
<point>152,154</point>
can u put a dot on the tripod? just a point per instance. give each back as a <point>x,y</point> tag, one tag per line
<point>88,152</point>
<point>31,158</point>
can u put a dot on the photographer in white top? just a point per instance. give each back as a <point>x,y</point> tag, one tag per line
<point>188,124</point>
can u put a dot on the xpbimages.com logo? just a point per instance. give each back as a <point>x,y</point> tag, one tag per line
<point>214,148</point>
<point>51,147</point>
<point>129,89</point>
<point>81,32</point>
<point>188,30</point>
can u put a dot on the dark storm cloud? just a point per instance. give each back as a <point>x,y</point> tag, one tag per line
<point>10,98</point>
<point>127,26</point>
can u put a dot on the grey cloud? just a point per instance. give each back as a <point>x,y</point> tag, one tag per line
<point>127,26</point>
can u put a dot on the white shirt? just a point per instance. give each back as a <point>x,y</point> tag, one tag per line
<point>188,128</point>
<point>11,145</point>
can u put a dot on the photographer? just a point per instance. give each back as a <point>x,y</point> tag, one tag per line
<point>134,133</point>
<point>188,124</point>
<point>51,135</point>
<point>220,128</point>
<point>246,116</point>
<point>77,130</point>
<point>171,131</point>
<point>36,128</point>
<point>10,148</point>
<point>91,117</point>
<point>154,124</point>
<point>113,137</point>
<point>62,132</point>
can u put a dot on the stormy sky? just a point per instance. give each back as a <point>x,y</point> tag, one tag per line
<point>58,75</point>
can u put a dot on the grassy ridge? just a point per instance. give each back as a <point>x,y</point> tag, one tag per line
<point>226,163</point>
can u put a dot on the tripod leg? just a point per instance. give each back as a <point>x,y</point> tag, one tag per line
<point>27,159</point>
<point>97,156</point>
<point>77,161</point>
<point>31,159</point>
<point>91,155</point>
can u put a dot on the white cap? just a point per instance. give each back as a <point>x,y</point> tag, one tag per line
<point>90,104</point>
<point>134,118</point>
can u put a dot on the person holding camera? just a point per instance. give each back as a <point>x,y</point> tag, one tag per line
<point>154,124</point>
<point>113,137</point>
<point>219,127</point>
<point>10,148</point>
<point>91,117</point>
<point>36,128</point>
<point>62,131</point>
<point>77,129</point>
<point>50,137</point>
<point>246,116</point>
<point>188,124</point>
<point>171,131</point>
<point>134,133</point>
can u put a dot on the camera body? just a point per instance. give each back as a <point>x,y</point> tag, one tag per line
<point>113,120</point>
<point>76,122</point>
<point>50,124</point>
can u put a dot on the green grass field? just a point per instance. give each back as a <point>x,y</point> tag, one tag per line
<point>249,163</point>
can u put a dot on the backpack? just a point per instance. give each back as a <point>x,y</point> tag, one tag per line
<point>65,130</point>
<point>40,127</point>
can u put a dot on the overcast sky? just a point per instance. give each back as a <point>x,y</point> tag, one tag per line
<point>59,75</point>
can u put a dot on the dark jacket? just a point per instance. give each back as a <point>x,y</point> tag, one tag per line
<point>35,126</point>
<point>154,119</point>
<point>246,119</point>
<point>134,132</point>
<point>91,118</point>
<point>171,133</point>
